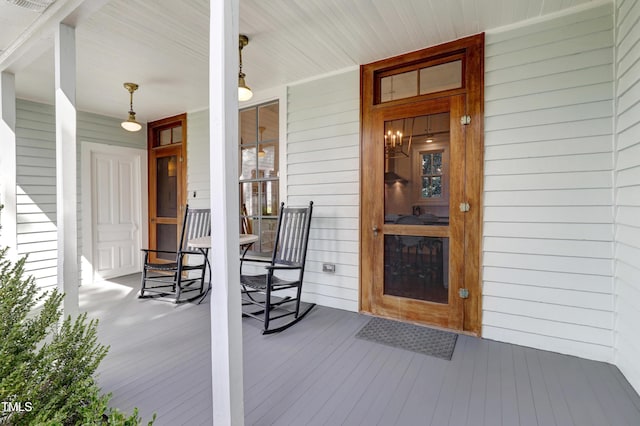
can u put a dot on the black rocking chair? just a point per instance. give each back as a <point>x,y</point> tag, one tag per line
<point>174,278</point>
<point>289,254</point>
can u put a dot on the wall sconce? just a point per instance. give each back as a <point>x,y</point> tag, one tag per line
<point>244,92</point>
<point>131,124</point>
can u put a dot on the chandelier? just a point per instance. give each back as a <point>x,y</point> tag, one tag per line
<point>396,143</point>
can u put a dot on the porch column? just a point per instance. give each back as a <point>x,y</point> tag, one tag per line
<point>8,168</point>
<point>226,317</point>
<point>66,200</point>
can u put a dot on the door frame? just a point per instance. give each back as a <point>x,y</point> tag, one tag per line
<point>87,149</point>
<point>472,50</point>
<point>152,128</point>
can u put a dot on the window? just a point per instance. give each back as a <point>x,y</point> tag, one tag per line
<point>259,173</point>
<point>431,179</point>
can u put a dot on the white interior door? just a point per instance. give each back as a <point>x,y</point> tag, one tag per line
<point>116,212</point>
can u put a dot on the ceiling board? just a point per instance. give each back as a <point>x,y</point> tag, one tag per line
<point>163,44</point>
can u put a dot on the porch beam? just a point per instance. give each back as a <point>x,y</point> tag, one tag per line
<point>226,316</point>
<point>8,167</point>
<point>66,191</point>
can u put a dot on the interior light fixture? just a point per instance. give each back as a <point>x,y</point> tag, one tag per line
<point>261,151</point>
<point>244,92</point>
<point>131,124</point>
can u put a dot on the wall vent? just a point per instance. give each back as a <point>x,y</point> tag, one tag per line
<point>35,5</point>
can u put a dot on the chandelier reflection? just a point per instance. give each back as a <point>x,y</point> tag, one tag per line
<point>396,143</point>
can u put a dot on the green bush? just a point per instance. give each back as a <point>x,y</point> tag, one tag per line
<point>47,365</point>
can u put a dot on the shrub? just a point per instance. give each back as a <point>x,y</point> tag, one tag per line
<point>47,366</point>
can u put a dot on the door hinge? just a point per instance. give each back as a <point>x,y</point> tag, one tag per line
<point>465,119</point>
<point>181,159</point>
<point>464,293</point>
<point>465,207</point>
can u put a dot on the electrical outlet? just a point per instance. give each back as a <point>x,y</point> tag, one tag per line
<point>328,267</point>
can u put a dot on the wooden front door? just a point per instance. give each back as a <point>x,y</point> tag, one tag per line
<point>167,184</point>
<point>421,187</point>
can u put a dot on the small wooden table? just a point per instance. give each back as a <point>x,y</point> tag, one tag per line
<point>204,243</point>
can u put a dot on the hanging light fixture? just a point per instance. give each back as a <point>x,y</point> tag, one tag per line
<point>261,151</point>
<point>244,92</point>
<point>131,124</point>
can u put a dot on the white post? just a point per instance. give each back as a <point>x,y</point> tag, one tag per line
<point>8,168</point>
<point>66,201</point>
<point>226,316</point>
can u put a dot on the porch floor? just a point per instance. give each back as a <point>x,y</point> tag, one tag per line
<point>317,372</point>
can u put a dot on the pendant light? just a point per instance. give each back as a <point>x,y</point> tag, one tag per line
<point>244,92</point>
<point>131,124</point>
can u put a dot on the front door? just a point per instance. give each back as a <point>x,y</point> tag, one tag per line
<point>421,153</point>
<point>167,184</point>
<point>116,211</point>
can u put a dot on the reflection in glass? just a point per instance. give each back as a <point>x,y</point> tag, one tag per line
<point>416,267</point>
<point>441,77</point>
<point>399,86</point>
<point>167,187</point>
<point>416,170</point>
<point>167,239</point>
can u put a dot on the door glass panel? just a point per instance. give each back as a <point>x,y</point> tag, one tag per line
<point>167,239</point>
<point>441,77</point>
<point>248,163</point>
<point>417,267</point>
<point>268,159</point>
<point>167,186</point>
<point>416,178</point>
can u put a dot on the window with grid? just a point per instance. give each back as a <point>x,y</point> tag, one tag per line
<point>259,173</point>
<point>432,171</point>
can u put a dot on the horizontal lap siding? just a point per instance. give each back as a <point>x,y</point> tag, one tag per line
<point>627,236</point>
<point>323,166</point>
<point>198,179</point>
<point>36,180</point>
<point>36,191</point>
<point>548,221</point>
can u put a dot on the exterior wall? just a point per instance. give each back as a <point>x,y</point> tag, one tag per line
<point>322,164</point>
<point>36,180</point>
<point>198,179</point>
<point>548,222</point>
<point>36,190</point>
<point>627,191</point>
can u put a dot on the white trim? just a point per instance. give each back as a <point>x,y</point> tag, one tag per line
<point>8,163</point>
<point>86,150</point>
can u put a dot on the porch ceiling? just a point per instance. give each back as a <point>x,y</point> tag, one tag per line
<point>163,44</point>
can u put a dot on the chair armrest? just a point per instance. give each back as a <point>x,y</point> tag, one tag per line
<point>282,267</point>
<point>158,251</point>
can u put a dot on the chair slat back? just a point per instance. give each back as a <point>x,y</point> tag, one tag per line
<point>197,223</point>
<point>292,235</point>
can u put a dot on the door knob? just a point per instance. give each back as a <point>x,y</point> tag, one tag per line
<point>375,231</point>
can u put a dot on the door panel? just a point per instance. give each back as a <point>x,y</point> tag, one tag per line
<point>115,208</point>
<point>165,194</point>
<point>417,235</point>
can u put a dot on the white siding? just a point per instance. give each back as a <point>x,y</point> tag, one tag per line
<point>548,221</point>
<point>36,191</point>
<point>36,180</point>
<point>198,180</point>
<point>323,165</point>
<point>627,178</point>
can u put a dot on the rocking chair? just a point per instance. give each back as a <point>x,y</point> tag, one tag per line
<point>175,278</point>
<point>289,254</point>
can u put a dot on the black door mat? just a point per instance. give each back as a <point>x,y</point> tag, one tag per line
<point>411,337</point>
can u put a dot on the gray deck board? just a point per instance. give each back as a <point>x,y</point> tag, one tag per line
<point>318,373</point>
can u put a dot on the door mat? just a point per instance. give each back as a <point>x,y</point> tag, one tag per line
<point>411,337</point>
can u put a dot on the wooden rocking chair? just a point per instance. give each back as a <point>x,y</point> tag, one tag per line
<point>289,254</point>
<point>174,278</point>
